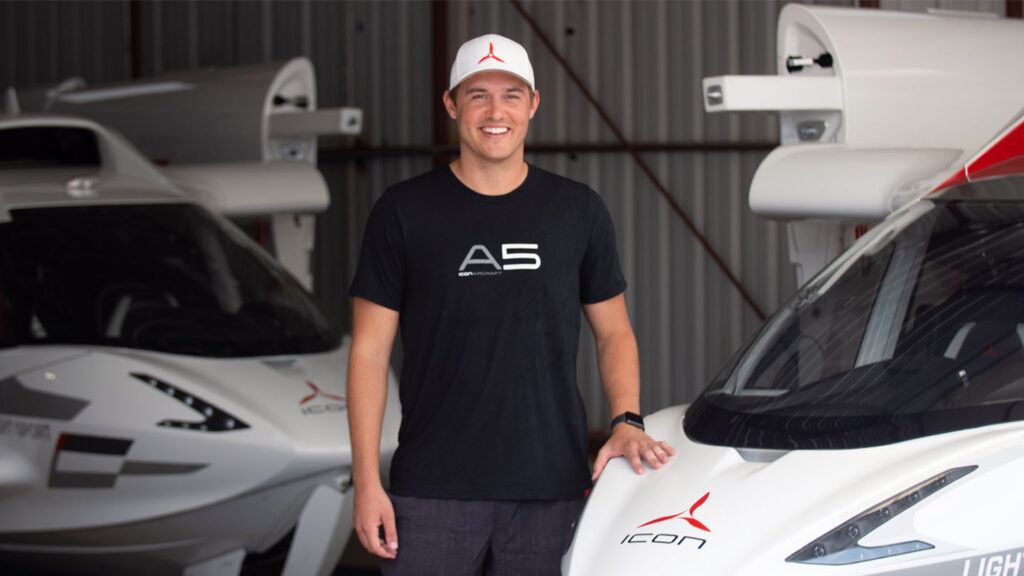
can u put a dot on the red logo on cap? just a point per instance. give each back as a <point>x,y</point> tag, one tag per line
<point>684,516</point>
<point>491,55</point>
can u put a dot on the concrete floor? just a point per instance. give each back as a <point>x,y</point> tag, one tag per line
<point>354,562</point>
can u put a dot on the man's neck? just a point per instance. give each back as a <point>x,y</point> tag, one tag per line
<point>491,179</point>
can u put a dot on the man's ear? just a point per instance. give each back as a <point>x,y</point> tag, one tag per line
<point>534,103</point>
<point>449,103</point>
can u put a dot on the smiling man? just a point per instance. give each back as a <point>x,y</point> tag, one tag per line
<point>486,267</point>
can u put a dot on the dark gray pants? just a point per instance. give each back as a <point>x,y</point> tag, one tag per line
<point>474,537</point>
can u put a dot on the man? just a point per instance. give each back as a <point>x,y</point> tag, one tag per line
<point>485,265</point>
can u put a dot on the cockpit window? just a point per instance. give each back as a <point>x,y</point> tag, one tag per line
<point>167,277</point>
<point>919,335</point>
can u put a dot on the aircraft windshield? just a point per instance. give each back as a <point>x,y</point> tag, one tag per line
<point>921,334</point>
<point>166,277</point>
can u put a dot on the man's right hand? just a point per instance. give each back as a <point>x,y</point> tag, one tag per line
<point>373,332</point>
<point>373,515</point>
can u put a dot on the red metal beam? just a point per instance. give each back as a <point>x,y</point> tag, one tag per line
<point>439,82</point>
<point>1015,8</point>
<point>135,50</point>
<point>644,167</point>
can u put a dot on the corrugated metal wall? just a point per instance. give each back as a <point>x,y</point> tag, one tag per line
<point>642,61</point>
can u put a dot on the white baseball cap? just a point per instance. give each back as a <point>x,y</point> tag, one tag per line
<point>491,52</point>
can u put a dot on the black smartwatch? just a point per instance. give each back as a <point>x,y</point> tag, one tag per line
<point>630,418</point>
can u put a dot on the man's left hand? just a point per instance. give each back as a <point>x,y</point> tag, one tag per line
<point>636,446</point>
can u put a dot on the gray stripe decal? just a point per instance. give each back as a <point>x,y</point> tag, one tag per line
<point>94,444</point>
<point>81,480</point>
<point>129,468</point>
<point>17,400</point>
<point>101,445</point>
<point>106,447</point>
<point>139,468</point>
<point>1004,562</point>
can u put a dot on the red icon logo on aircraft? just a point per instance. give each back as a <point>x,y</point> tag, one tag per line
<point>490,54</point>
<point>687,516</point>
<point>318,393</point>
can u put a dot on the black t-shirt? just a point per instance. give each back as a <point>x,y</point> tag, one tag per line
<point>488,290</point>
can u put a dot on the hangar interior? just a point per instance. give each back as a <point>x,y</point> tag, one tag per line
<point>621,111</point>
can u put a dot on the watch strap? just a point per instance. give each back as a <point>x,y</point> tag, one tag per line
<point>631,418</point>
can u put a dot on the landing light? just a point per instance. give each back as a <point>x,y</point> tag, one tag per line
<point>798,63</point>
<point>216,420</point>
<point>811,130</point>
<point>714,95</point>
<point>841,545</point>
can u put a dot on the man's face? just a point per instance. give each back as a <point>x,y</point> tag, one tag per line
<point>493,111</point>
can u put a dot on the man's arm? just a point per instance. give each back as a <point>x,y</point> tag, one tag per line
<point>619,364</point>
<point>373,333</point>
